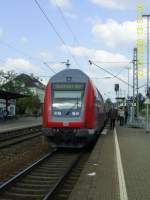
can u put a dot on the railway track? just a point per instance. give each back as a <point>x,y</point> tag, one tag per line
<point>41,180</point>
<point>64,190</point>
<point>13,137</point>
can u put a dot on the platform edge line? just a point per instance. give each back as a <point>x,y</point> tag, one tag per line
<point>122,184</point>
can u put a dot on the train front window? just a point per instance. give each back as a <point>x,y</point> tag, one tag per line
<point>67,103</point>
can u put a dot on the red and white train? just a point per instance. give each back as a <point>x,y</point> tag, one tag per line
<point>74,112</point>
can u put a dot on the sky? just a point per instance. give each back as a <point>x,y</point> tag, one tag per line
<point>103,31</point>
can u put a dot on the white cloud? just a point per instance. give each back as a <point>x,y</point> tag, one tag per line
<point>64,4</point>
<point>113,62</point>
<point>118,4</point>
<point>114,34</point>
<point>24,39</point>
<point>20,65</point>
<point>96,54</point>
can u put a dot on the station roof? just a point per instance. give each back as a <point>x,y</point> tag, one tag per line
<point>10,95</point>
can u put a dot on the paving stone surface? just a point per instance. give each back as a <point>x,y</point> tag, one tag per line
<point>135,152</point>
<point>99,180</point>
<point>103,185</point>
<point>23,122</point>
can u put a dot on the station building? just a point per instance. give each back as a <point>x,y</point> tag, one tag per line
<point>8,103</point>
<point>8,99</point>
<point>11,107</point>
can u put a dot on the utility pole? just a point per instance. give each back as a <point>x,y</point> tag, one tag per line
<point>147,106</point>
<point>137,84</point>
<point>134,80</point>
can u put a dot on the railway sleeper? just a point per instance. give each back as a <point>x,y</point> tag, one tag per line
<point>21,190</point>
<point>40,182</point>
<point>54,177</point>
<point>33,185</point>
<point>9,195</point>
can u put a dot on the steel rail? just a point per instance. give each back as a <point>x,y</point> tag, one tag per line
<point>11,186</point>
<point>18,136</point>
<point>18,140</point>
<point>25,171</point>
<point>61,179</point>
<point>9,134</point>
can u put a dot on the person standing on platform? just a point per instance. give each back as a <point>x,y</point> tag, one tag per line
<point>5,115</point>
<point>122,116</point>
<point>126,114</point>
<point>113,117</point>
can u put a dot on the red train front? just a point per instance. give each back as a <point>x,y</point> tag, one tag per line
<point>74,111</point>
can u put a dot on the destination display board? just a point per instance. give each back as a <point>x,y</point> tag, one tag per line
<point>68,86</point>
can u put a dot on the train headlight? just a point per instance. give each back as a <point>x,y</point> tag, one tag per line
<point>75,113</point>
<point>57,113</point>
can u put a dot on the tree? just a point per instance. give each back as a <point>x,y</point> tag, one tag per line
<point>108,102</point>
<point>5,77</point>
<point>11,82</point>
<point>28,104</point>
<point>8,82</point>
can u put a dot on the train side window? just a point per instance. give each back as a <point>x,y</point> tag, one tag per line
<point>101,102</point>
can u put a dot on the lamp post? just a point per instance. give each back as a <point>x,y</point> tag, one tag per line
<point>147,105</point>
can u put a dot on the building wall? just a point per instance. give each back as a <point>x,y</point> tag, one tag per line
<point>39,92</point>
<point>11,107</point>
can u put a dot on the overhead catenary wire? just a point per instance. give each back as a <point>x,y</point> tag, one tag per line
<point>95,61</point>
<point>45,63</point>
<point>66,22</point>
<point>70,29</point>
<point>15,49</point>
<point>78,42</point>
<point>123,68</point>
<point>120,79</point>
<point>55,30</point>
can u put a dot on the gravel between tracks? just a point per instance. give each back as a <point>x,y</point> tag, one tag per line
<point>19,156</point>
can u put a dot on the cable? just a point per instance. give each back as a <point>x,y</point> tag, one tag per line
<point>110,73</point>
<point>14,48</point>
<point>69,28</point>
<point>122,69</point>
<point>55,30</point>
<point>9,65</point>
<point>67,24</point>
<point>24,53</point>
<point>45,63</point>
<point>110,61</point>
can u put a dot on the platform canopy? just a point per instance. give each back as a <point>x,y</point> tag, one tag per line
<point>10,95</point>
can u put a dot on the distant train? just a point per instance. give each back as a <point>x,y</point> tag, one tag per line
<point>74,112</point>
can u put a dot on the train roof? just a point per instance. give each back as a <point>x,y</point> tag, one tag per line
<point>76,75</point>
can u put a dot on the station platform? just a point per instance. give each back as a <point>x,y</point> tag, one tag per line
<point>20,123</point>
<point>118,168</point>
